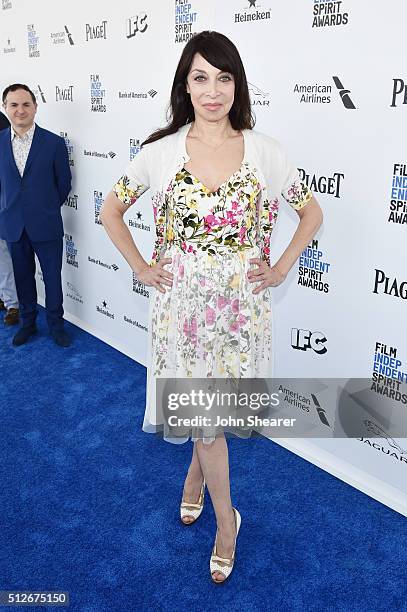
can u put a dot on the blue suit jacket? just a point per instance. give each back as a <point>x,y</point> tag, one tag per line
<point>34,200</point>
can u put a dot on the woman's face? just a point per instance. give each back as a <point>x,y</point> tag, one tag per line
<point>212,91</point>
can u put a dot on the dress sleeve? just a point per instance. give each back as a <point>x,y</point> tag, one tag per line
<point>134,181</point>
<point>295,191</point>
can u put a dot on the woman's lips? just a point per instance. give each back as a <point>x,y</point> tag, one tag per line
<point>212,106</point>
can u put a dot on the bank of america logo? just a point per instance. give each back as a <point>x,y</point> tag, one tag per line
<point>112,154</point>
<point>152,93</point>
<point>344,93</point>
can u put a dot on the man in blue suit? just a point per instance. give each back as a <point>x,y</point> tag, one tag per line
<point>35,180</point>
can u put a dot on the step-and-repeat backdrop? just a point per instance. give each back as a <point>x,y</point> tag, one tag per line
<point>327,79</point>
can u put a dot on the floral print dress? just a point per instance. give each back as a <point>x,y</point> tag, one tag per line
<point>209,323</point>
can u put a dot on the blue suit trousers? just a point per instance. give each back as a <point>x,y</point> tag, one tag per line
<point>49,255</point>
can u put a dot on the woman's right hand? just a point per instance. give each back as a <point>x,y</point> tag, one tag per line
<point>156,276</point>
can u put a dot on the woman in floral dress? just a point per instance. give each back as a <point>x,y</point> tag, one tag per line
<point>215,185</point>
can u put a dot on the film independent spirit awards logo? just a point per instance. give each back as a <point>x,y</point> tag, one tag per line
<point>312,269</point>
<point>69,147</point>
<point>139,287</point>
<point>398,201</point>
<point>138,223</point>
<point>185,21</point>
<point>328,14</point>
<point>33,41</point>
<point>97,95</point>
<point>98,201</point>
<point>71,252</point>
<point>388,373</point>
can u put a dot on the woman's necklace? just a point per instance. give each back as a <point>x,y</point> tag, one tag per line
<point>211,146</point>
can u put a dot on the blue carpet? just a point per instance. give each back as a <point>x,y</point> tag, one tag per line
<point>89,503</point>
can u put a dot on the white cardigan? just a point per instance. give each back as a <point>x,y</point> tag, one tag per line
<point>157,163</point>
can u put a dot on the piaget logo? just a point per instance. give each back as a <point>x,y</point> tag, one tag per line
<point>389,286</point>
<point>93,31</point>
<point>72,201</point>
<point>64,94</point>
<point>399,94</point>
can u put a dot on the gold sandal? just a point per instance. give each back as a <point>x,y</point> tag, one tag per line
<point>193,510</point>
<point>220,564</point>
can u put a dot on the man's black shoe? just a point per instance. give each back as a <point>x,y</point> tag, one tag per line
<point>60,337</point>
<point>23,334</point>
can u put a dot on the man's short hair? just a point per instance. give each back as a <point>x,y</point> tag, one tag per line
<point>16,86</point>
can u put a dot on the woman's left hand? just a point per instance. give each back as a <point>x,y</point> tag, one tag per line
<point>269,276</point>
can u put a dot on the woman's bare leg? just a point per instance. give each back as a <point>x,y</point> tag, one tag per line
<point>193,484</point>
<point>214,463</point>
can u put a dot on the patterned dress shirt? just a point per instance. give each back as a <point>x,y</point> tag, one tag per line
<point>21,147</point>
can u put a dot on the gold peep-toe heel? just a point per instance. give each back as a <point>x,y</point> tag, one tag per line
<point>220,564</point>
<point>193,510</point>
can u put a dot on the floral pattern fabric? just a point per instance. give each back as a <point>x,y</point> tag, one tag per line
<point>209,323</point>
<point>257,224</point>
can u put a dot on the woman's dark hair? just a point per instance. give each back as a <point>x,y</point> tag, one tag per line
<point>219,51</point>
